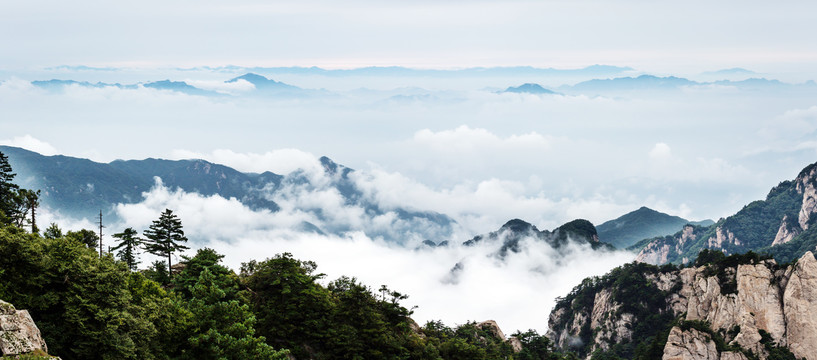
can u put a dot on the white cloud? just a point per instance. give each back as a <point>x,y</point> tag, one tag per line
<point>279,161</point>
<point>238,87</point>
<point>792,124</point>
<point>486,289</point>
<point>660,151</point>
<point>28,142</point>
<point>464,139</point>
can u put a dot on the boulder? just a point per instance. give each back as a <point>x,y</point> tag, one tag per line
<point>18,333</point>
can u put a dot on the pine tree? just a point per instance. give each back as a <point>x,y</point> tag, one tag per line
<point>52,232</point>
<point>164,237</point>
<point>8,191</point>
<point>128,243</point>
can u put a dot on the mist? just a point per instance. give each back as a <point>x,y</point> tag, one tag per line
<point>517,290</point>
<point>458,147</point>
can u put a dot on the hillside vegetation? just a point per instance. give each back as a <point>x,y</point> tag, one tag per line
<point>92,305</point>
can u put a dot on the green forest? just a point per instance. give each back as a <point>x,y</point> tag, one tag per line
<point>90,304</point>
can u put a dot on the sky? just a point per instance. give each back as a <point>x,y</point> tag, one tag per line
<point>653,36</point>
<point>450,144</point>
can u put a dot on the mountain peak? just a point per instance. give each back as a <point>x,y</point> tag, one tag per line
<point>251,78</point>
<point>529,88</point>
<point>518,226</point>
<point>263,83</point>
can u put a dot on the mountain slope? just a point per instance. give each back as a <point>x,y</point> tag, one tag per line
<point>737,307</point>
<point>82,188</point>
<point>781,225</point>
<point>643,223</point>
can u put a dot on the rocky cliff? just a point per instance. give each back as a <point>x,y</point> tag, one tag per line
<point>18,333</point>
<point>737,307</point>
<point>781,225</point>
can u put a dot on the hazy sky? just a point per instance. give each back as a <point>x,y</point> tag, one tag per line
<point>651,35</point>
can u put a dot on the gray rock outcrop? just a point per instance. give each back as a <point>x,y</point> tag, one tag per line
<point>741,303</point>
<point>18,333</point>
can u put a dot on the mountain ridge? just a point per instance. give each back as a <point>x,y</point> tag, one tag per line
<point>780,225</point>
<point>642,223</point>
<point>83,187</point>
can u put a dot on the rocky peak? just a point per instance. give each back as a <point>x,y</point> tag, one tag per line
<point>747,302</point>
<point>519,227</point>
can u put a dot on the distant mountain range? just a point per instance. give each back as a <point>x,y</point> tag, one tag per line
<point>592,70</point>
<point>781,225</point>
<point>529,88</point>
<point>640,224</point>
<point>264,86</point>
<point>82,188</point>
<point>672,83</point>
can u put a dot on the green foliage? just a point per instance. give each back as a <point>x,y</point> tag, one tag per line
<point>80,302</point>
<point>205,259</point>
<point>223,328</point>
<point>776,352</point>
<point>725,267</point>
<point>643,223</point>
<point>535,347</point>
<point>158,273</point>
<point>8,191</point>
<point>87,237</point>
<point>128,246</point>
<point>92,307</point>
<point>637,295</point>
<point>15,202</point>
<point>165,236</point>
<point>52,232</point>
<point>291,307</point>
<point>794,249</point>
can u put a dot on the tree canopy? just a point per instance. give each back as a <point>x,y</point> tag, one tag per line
<point>165,237</point>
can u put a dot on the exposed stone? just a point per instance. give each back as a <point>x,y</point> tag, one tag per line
<point>415,327</point>
<point>805,186</point>
<point>658,251</point>
<point>515,343</point>
<point>759,298</point>
<point>610,329</point>
<point>784,234</point>
<point>493,328</point>
<point>732,355</point>
<point>722,237</point>
<point>800,308</point>
<point>690,345</point>
<point>781,302</point>
<point>18,333</point>
<point>654,253</point>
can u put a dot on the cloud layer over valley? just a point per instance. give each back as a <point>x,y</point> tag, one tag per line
<point>486,286</point>
<point>440,159</point>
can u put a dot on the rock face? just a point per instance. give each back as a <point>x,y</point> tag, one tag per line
<point>805,186</point>
<point>742,303</point>
<point>784,232</point>
<point>800,308</point>
<point>690,345</point>
<point>786,215</point>
<point>658,252</point>
<point>18,333</point>
<point>492,327</point>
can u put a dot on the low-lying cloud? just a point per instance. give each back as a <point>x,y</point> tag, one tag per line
<point>517,291</point>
